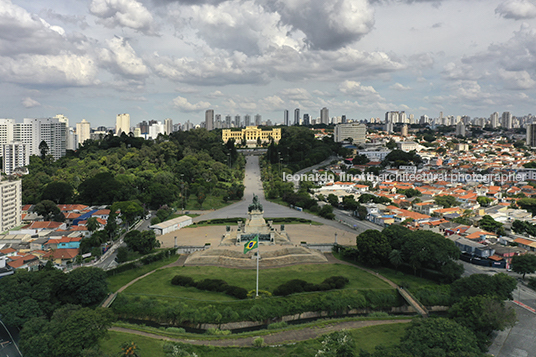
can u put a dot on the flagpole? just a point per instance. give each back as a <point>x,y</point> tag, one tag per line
<point>258,257</point>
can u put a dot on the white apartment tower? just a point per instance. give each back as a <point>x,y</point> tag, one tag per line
<point>83,131</point>
<point>357,132</point>
<point>10,204</point>
<point>168,126</point>
<point>494,120</point>
<point>209,119</point>
<point>506,121</point>
<point>14,155</point>
<point>122,124</point>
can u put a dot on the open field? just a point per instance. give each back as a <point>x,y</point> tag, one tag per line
<point>159,283</point>
<point>121,279</point>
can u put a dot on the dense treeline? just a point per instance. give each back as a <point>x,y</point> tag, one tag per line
<point>125,168</point>
<point>398,246</point>
<point>298,148</point>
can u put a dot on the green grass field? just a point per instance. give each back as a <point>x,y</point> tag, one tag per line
<point>366,338</point>
<point>121,279</point>
<point>159,283</point>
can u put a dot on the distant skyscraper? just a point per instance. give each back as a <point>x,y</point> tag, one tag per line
<point>343,119</point>
<point>306,119</point>
<point>10,204</point>
<point>122,124</point>
<point>507,120</point>
<point>228,121</point>
<point>83,131</point>
<point>324,116</point>
<point>258,119</point>
<point>494,120</point>
<point>297,116</point>
<point>237,121</point>
<point>404,130</point>
<point>168,126</point>
<point>247,120</point>
<point>209,119</point>
<point>63,119</point>
<point>285,118</point>
<point>460,128</point>
<point>218,123</point>
<point>531,135</point>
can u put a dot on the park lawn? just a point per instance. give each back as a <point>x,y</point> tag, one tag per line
<point>211,202</point>
<point>121,279</point>
<point>366,338</point>
<point>148,347</point>
<point>159,283</point>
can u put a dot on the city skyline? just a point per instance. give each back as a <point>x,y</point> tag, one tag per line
<point>158,60</point>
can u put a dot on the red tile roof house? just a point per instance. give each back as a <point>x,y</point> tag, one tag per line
<point>28,262</point>
<point>61,256</point>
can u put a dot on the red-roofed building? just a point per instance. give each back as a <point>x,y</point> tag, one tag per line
<point>61,256</point>
<point>28,262</point>
<point>51,225</point>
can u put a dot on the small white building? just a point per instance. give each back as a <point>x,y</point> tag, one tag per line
<point>171,225</point>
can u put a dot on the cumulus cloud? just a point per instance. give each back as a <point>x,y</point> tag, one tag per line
<point>356,89</point>
<point>516,9</point>
<point>121,58</point>
<point>183,105</point>
<point>399,87</point>
<point>327,25</point>
<point>22,32</point>
<point>240,26</point>
<point>296,94</point>
<point>30,103</point>
<point>459,71</point>
<point>61,70</point>
<point>517,80</point>
<point>123,13</point>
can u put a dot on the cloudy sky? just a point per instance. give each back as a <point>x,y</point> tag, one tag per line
<point>157,59</point>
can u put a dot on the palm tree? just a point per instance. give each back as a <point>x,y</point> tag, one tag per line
<point>395,257</point>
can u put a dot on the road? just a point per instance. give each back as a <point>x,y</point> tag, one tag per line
<point>253,186</point>
<point>7,346</point>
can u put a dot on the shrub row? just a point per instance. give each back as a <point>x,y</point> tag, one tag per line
<point>151,258</point>
<point>298,286</point>
<point>179,311</point>
<point>217,285</point>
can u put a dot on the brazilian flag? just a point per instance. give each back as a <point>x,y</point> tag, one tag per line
<point>252,244</point>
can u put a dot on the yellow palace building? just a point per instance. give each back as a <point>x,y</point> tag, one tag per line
<point>251,133</point>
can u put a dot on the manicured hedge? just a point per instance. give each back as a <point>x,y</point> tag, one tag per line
<point>217,285</point>
<point>299,286</point>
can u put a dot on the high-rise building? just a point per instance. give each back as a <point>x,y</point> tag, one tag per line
<point>258,119</point>
<point>155,129</point>
<point>168,126</point>
<point>247,120</point>
<point>209,119</point>
<point>71,139</point>
<point>506,121</point>
<point>228,123</point>
<point>531,135</point>
<point>285,118</point>
<point>237,121</point>
<point>63,119</point>
<point>122,124</point>
<point>324,116</point>
<point>10,204</point>
<point>460,128</point>
<point>83,131</point>
<point>297,116</point>
<point>494,120</point>
<point>343,119</point>
<point>14,155</point>
<point>355,131</point>
<point>306,119</point>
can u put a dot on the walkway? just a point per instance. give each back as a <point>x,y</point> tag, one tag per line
<point>276,338</point>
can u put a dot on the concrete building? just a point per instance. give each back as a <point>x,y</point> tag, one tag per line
<point>168,126</point>
<point>324,116</point>
<point>297,116</point>
<point>357,132</point>
<point>285,118</point>
<point>258,119</point>
<point>247,120</point>
<point>506,120</point>
<point>460,129</point>
<point>10,204</point>
<point>494,120</point>
<point>14,155</point>
<point>171,225</point>
<point>531,135</point>
<point>251,133</point>
<point>83,131</point>
<point>122,124</point>
<point>404,130</point>
<point>209,119</point>
<point>407,146</point>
